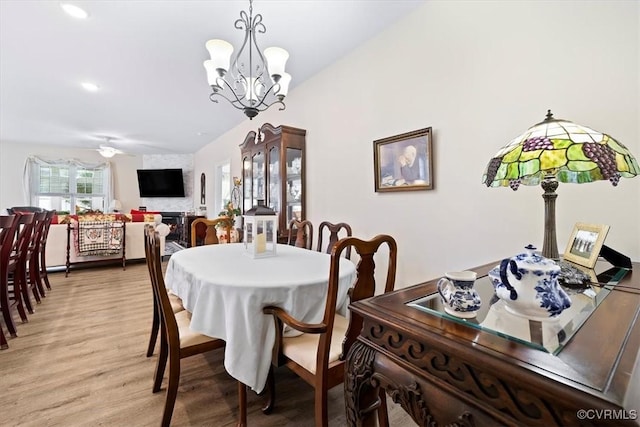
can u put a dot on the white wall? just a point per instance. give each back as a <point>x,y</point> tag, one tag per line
<point>13,157</point>
<point>479,73</point>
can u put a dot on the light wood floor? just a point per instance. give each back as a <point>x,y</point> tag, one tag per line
<point>80,361</point>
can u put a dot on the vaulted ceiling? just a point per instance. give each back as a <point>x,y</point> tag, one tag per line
<point>146,57</point>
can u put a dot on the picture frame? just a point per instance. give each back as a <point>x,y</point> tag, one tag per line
<point>202,189</point>
<point>583,247</point>
<point>403,162</point>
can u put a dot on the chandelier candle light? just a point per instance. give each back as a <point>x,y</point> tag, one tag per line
<point>244,85</point>
<point>553,151</point>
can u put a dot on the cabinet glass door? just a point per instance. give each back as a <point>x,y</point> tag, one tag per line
<point>257,167</point>
<point>247,182</point>
<point>294,188</point>
<point>274,181</point>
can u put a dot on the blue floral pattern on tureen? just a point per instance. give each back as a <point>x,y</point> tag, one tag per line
<point>548,291</point>
<point>533,289</point>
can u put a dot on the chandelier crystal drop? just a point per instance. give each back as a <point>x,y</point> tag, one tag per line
<point>252,81</point>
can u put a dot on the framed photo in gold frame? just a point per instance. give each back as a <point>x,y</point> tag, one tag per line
<point>585,243</point>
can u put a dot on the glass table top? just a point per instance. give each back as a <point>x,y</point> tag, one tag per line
<point>547,335</point>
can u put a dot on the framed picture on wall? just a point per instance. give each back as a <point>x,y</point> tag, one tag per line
<point>203,199</point>
<point>403,162</point>
<point>585,243</point>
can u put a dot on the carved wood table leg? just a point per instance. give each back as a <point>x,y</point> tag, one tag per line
<point>361,392</point>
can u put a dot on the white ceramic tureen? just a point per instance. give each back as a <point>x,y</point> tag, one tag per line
<point>528,284</point>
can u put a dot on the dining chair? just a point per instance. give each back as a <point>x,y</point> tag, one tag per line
<point>334,235</point>
<point>300,234</point>
<point>318,354</point>
<point>177,341</point>
<point>23,209</point>
<point>43,248</point>
<point>32,260</point>
<point>176,303</point>
<point>3,340</point>
<point>203,231</point>
<point>8,224</point>
<point>11,289</point>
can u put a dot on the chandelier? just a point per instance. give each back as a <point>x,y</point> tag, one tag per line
<point>244,84</point>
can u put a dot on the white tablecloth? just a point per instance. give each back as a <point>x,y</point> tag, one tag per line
<point>226,290</point>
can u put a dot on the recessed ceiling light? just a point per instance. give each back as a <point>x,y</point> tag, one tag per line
<point>74,10</point>
<point>91,87</point>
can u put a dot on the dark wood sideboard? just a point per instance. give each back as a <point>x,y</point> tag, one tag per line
<point>445,373</point>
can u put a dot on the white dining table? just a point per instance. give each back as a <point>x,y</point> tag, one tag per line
<point>225,290</point>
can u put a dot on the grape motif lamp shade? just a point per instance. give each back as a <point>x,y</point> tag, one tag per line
<point>557,150</point>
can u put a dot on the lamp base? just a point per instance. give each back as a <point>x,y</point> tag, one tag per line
<point>550,244</point>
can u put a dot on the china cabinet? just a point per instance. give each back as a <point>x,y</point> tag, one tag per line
<point>273,163</point>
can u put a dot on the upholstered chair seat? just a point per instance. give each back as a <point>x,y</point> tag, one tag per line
<point>187,336</point>
<point>176,303</point>
<point>303,349</point>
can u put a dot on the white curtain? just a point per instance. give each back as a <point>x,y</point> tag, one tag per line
<point>30,185</point>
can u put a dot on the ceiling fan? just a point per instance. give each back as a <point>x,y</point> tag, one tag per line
<point>107,148</point>
<point>108,151</point>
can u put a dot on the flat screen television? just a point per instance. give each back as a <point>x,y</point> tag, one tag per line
<point>160,183</point>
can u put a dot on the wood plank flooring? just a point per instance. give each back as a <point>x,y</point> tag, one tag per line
<point>80,361</point>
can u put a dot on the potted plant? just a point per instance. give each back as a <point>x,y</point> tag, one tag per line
<point>229,214</point>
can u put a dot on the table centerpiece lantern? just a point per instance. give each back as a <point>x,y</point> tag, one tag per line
<point>260,231</point>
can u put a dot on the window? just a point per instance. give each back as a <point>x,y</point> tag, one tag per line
<point>68,186</point>
<point>223,179</point>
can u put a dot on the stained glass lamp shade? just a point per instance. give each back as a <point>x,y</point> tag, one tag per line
<point>557,150</point>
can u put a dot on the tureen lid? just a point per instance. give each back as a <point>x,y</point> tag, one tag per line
<point>530,259</point>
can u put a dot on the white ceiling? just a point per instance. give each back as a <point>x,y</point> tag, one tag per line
<point>147,56</point>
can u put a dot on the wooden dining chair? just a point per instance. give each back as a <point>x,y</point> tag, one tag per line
<point>8,224</point>
<point>12,289</point>
<point>176,303</point>
<point>318,355</point>
<point>32,260</point>
<point>300,234</point>
<point>43,248</point>
<point>3,339</point>
<point>177,341</point>
<point>334,235</point>
<point>203,231</point>
<point>23,209</point>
